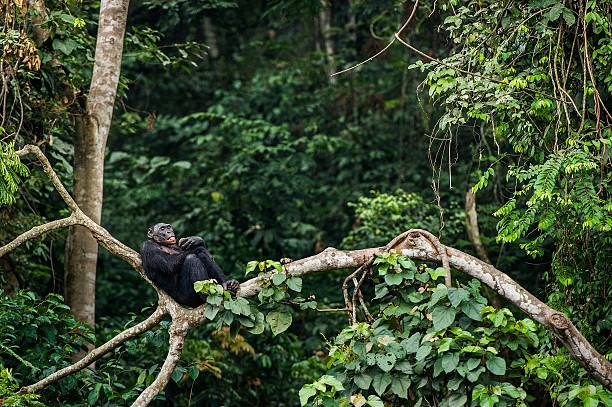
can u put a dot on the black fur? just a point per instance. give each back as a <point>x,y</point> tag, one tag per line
<point>175,268</point>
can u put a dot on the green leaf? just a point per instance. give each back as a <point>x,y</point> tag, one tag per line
<point>411,345</point>
<point>380,382</point>
<point>475,374</point>
<point>441,292</point>
<point>423,351</point>
<point>457,399</point>
<point>331,381</point>
<point>259,324</point>
<point>453,384</point>
<point>472,310</point>
<point>555,12</point>
<point>406,263</point>
<point>394,278</point>
<point>306,392</point>
<point>496,365</point>
<point>450,362</point>
<point>445,344</point>
<point>193,372</point>
<point>472,363</point>
<point>279,321</point>
<point>363,381</point>
<point>569,17</point>
<point>400,386</point>
<point>437,273</point>
<point>380,290</point>
<point>456,295</point>
<point>295,283</point>
<point>278,278</point>
<point>375,401</point>
<point>443,317</point>
<point>94,394</point>
<point>177,375</point>
<point>65,46</point>
<point>250,267</point>
<point>385,361</point>
<point>211,311</point>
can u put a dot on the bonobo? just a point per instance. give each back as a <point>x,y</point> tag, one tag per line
<point>174,268</point>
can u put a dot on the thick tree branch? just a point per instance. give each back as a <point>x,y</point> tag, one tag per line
<point>178,331</point>
<point>100,351</point>
<point>416,246</point>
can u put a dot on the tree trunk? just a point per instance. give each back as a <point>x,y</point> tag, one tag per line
<point>210,38</point>
<point>325,17</point>
<point>91,133</point>
<point>471,227</point>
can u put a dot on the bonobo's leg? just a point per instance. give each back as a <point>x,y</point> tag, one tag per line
<point>212,268</point>
<point>214,271</point>
<point>193,270</point>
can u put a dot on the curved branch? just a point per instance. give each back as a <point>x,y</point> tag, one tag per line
<point>417,246</point>
<point>178,331</point>
<point>31,149</point>
<point>98,352</point>
<point>37,231</point>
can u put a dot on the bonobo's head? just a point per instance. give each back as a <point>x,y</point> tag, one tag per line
<point>162,233</point>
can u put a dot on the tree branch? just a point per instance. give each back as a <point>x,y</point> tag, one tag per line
<point>37,231</point>
<point>178,331</point>
<point>98,352</point>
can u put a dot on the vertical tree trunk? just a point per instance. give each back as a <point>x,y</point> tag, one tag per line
<point>210,38</point>
<point>91,133</point>
<point>472,229</point>
<point>325,17</point>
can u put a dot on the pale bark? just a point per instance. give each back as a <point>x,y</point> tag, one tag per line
<point>178,331</point>
<point>210,37</point>
<point>90,139</point>
<point>471,227</point>
<point>325,18</point>
<point>415,244</point>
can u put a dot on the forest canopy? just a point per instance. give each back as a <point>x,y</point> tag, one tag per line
<point>414,195</point>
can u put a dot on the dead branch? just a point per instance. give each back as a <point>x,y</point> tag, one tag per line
<point>415,244</point>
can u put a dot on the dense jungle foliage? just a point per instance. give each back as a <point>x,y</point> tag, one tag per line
<point>229,126</point>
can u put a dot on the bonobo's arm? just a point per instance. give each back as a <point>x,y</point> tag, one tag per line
<point>154,260</point>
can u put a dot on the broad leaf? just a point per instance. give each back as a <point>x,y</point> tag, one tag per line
<point>279,321</point>
<point>496,365</point>
<point>400,386</point>
<point>380,382</point>
<point>443,317</point>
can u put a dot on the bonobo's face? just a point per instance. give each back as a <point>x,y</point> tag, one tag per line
<point>162,233</point>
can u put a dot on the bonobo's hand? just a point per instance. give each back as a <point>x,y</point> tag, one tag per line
<point>191,242</point>
<point>232,286</point>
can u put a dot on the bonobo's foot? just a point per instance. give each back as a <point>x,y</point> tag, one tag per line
<point>232,286</point>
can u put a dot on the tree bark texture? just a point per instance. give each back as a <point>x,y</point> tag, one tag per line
<point>91,133</point>
<point>325,18</point>
<point>471,227</point>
